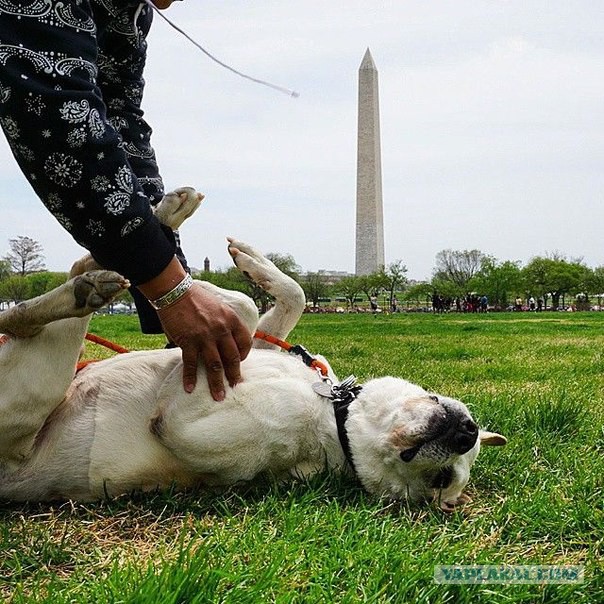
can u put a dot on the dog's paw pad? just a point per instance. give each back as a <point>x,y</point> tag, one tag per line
<point>97,288</point>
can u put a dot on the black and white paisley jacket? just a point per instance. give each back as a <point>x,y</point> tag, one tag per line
<point>71,84</point>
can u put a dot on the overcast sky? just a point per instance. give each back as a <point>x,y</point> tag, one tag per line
<point>492,119</point>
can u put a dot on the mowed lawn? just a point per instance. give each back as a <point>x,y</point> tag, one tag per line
<point>538,379</point>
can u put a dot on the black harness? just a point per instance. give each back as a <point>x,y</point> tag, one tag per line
<point>341,395</point>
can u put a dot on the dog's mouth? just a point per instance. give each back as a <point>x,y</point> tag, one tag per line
<point>454,433</point>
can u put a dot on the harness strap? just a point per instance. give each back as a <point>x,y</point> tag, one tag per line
<point>340,410</point>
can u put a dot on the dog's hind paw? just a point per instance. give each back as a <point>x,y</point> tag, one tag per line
<point>85,264</point>
<point>253,264</point>
<point>94,289</point>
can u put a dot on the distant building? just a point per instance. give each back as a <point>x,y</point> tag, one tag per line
<point>329,275</point>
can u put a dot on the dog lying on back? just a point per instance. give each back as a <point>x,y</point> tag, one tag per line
<point>126,423</point>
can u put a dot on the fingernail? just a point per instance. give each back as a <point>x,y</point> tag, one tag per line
<point>189,388</point>
<point>219,396</point>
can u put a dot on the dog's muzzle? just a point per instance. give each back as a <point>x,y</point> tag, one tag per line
<point>455,432</point>
<point>458,431</point>
<point>462,437</point>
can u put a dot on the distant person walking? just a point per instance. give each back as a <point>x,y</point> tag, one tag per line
<point>484,304</point>
<point>373,304</point>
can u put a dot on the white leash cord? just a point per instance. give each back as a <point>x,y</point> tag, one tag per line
<point>287,91</point>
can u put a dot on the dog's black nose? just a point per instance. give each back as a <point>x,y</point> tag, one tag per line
<point>465,436</point>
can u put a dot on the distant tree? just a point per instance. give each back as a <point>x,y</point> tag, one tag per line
<point>595,284</point>
<point>228,279</point>
<point>458,267</point>
<point>446,288</point>
<point>595,281</point>
<point>315,287</point>
<point>395,278</point>
<point>40,283</point>
<point>420,293</point>
<point>286,264</point>
<point>14,289</point>
<point>555,276</point>
<point>25,255</point>
<point>373,283</point>
<point>349,288</point>
<point>5,270</point>
<point>497,280</point>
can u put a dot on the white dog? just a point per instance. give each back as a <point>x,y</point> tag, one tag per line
<point>126,423</point>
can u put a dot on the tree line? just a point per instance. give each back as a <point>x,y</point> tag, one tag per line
<point>456,274</point>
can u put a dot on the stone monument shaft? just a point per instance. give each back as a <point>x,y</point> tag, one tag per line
<point>370,216</point>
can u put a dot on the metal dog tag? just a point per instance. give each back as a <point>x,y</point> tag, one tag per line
<point>323,389</point>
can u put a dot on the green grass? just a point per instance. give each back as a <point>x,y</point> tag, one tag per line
<point>538,379</point>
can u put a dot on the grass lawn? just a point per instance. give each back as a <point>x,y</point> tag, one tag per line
<point>538,379</point>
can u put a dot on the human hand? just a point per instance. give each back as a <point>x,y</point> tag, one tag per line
<point>206,329</point>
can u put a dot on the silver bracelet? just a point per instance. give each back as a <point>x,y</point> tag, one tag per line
<point>174,294</point>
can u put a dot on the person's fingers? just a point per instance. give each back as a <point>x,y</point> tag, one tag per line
<point>231,360</point>
<point>214,371</point>
<point>243,339</point>
<point>189,368</point>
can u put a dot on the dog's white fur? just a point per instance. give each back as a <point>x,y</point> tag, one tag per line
<point>126,423</point>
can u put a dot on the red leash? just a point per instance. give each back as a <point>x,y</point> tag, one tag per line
<point>102,342</point>
<point>293,349</point>
<point>106,343</point>
<point>90,337</point>
<point>261,335</point>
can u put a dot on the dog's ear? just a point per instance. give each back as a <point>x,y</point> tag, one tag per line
<point>492,439</point>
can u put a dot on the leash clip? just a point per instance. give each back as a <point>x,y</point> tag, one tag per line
<point>325,379</point>
<point>346,391</point>
<point>306,357</point>
<point>341,394</point>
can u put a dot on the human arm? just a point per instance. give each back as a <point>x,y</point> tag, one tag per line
<point>55,119</point>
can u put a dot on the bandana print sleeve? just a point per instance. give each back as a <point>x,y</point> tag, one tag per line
<point>77,153</point>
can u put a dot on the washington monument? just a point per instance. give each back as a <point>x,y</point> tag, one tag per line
<point>370,216</point>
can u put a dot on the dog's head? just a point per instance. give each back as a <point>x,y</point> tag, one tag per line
<point>410,443</point>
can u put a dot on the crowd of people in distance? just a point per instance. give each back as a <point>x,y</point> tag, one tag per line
<point>467,304</point>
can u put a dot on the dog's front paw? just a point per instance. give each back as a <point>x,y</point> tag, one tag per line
<point>94,289</point>
<point>177,206</point>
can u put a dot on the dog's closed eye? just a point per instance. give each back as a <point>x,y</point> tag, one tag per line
<point>408,454</point>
